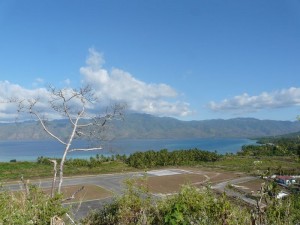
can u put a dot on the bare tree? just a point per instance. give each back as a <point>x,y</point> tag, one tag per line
<point>73,105</point>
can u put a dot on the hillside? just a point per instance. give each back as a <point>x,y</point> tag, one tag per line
<point>148,126</point>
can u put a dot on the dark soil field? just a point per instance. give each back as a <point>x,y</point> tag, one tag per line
<point>167,184</point>
<point>89,192</point>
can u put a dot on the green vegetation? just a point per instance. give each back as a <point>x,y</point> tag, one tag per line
<point>163,157</point>
<point>138,206</point>
<point>262,165</point>
<point>43,168</point>
<point>282,146</point>
<point>30,206</point>
<point>101,164</point>
<point>253,159</point>
<point>192,206</point>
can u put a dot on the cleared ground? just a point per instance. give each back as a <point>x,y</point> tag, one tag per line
<point>98,189</point>
<point>88,192</point>
<point>250,186</point>
<point>165,181</point>
<point>162,181</point>
<point>170,181</point>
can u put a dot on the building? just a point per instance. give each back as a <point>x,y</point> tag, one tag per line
<point>285,180</point>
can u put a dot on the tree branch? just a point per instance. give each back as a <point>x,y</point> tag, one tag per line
<point>85,149</point>
<point>45,128</point>
<point>73,195</point>
<point>54,176</point>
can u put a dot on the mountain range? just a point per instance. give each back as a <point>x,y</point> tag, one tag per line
<point>145,126</point>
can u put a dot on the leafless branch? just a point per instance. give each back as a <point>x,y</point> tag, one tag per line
<point>84,149</point>
<point>25,185</point>
<point>72,221</point>
<point>73,104</point>
<point>54,176</point>
<point>73,195</point>
<point>45,128</point>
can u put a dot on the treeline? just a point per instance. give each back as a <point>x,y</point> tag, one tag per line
<point>148,159</point>
<point>273,147</point>
<point>163,157</point>
<point>91,162</point>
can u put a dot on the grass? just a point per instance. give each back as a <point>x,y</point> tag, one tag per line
<point>247,164</point>
<point>10,171</point>
<point>29,170</point>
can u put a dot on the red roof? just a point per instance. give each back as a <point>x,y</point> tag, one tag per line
<point>285,177</point>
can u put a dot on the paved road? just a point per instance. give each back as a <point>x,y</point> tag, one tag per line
<point>114,183</point>
<point>221,187</point>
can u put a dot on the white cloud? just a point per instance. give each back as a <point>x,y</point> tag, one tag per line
<point>12,94</point>
<point>266,100</point>
<point>110,86</point>
<point>119,85</point>
<point>9,91</point>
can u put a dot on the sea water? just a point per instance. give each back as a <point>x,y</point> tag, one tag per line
<point>31,150</point>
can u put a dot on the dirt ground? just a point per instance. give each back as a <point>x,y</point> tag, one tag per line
<point>166,181</point>
<point>89,192</point>
<point>253,186</point>
<point>172,183</point>
<point>250,186</point>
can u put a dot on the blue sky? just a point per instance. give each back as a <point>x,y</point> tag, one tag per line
<point>191,59</point>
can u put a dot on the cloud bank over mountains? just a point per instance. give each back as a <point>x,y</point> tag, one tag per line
<point>117,85</point>
<point>110,86</point>
<point>267,100</point>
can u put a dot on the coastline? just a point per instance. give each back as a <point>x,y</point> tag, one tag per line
<point>30,150</point>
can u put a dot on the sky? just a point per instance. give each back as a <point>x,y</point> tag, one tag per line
<point>191,60</point>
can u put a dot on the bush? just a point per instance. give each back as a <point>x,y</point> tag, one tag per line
<point>189,206</point>
<point>30,206</point>
<point>163,157</point>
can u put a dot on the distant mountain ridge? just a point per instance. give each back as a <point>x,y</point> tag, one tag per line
<point>145,126</point>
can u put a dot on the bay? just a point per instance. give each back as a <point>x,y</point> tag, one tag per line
<point>31,150</point>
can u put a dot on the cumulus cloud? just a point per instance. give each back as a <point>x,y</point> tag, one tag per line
<point>11,95</point>
<point>115,85</point>
<point>266,100</point>
<point>9,91</point>
<point>121,86</point>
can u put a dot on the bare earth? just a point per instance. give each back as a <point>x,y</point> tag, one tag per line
<point>249,187</point>
<point>89,192</point>
<point>167,181</point>
<point>164,183</point>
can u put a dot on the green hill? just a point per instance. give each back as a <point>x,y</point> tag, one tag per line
<point>148,126</point>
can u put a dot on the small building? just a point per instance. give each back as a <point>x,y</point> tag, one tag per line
<point>285,180</point>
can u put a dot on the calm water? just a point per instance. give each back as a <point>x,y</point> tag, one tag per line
<point>30,150</point>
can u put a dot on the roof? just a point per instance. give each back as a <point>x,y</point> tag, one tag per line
<point>284,177</point>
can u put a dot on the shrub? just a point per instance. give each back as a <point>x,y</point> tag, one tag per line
<point>163,157</point>
<point>30,206</point>
<point>189,206</point>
